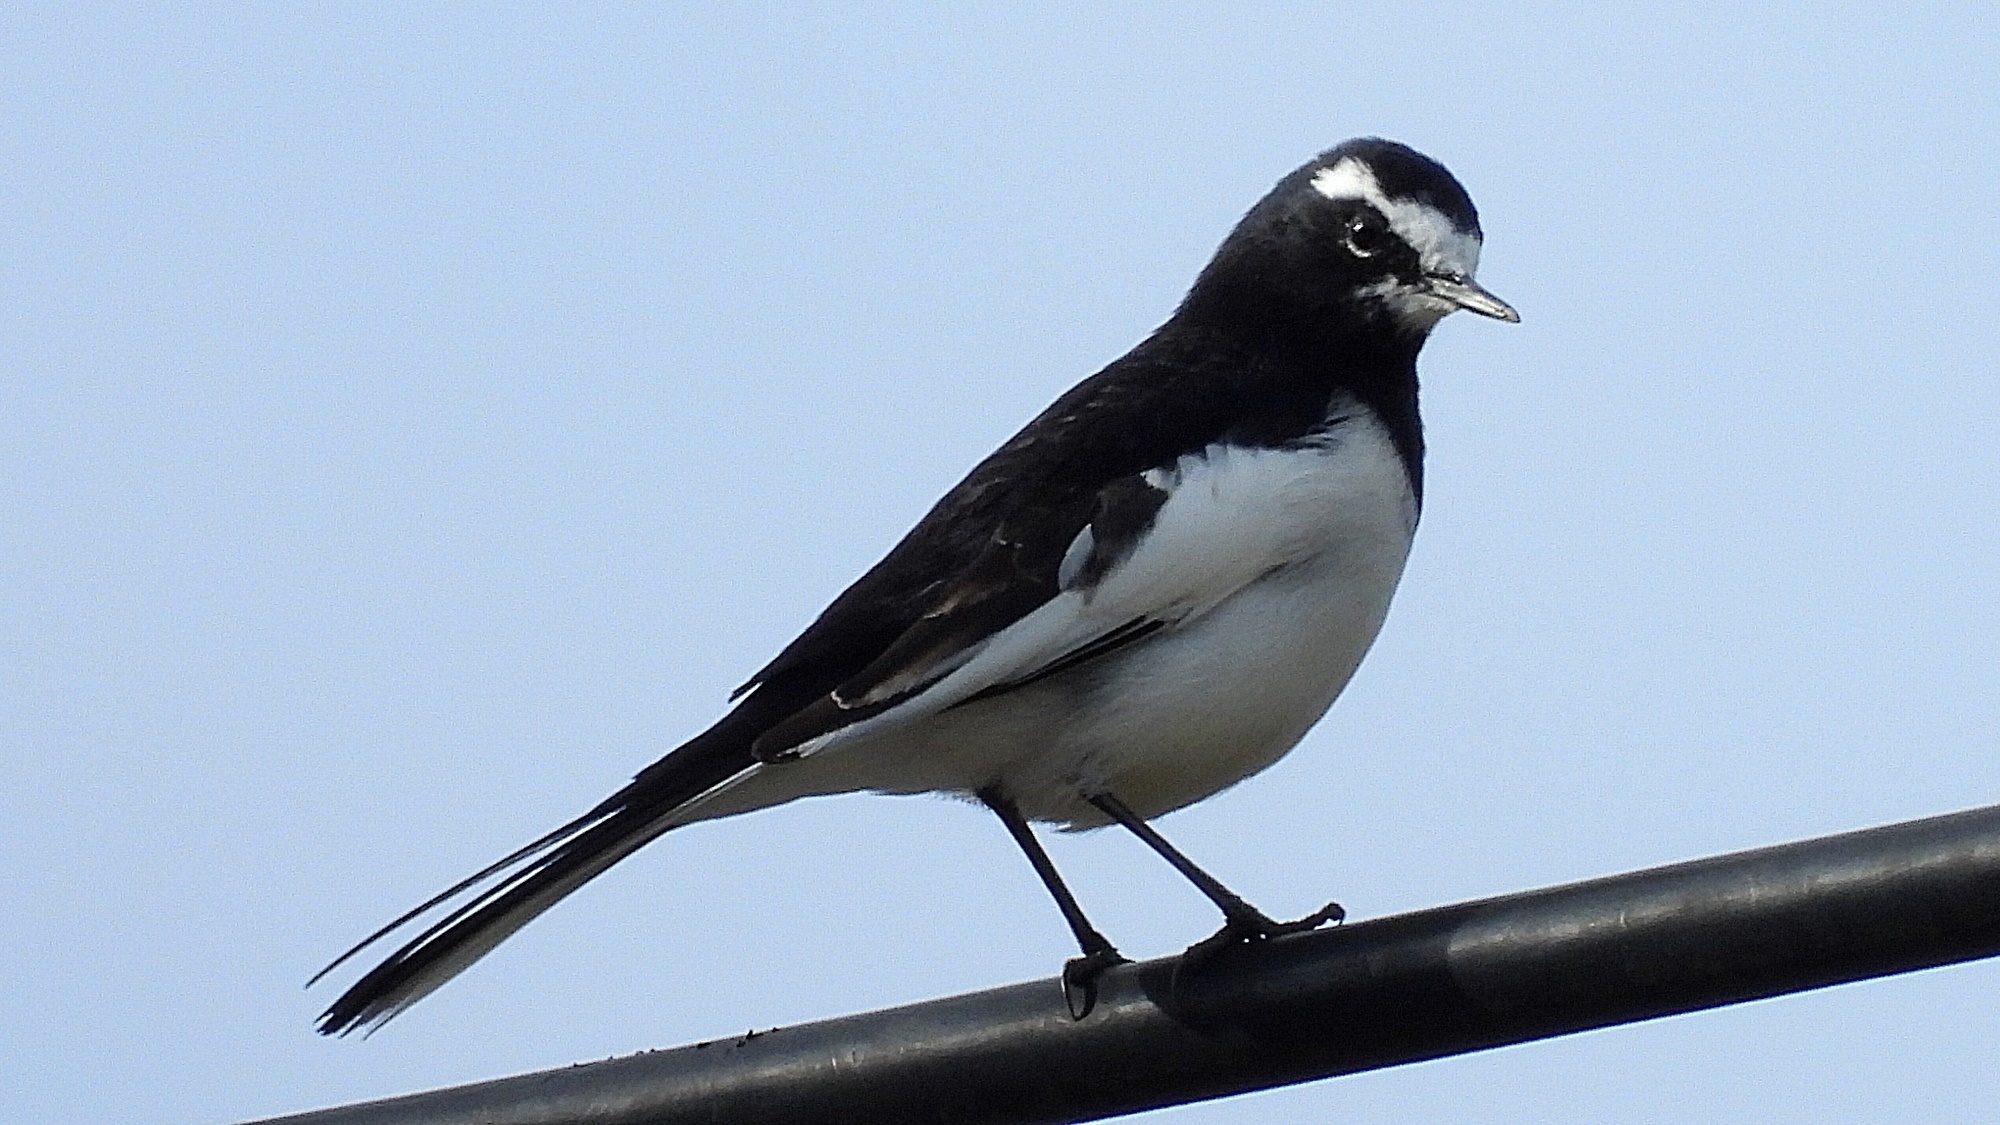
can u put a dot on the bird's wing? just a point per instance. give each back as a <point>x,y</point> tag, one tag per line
<point>1039,557</point>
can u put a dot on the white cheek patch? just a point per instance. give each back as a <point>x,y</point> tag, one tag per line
<point>1441,247</point>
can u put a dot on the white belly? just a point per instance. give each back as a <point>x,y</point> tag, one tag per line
<point>1217,702</point>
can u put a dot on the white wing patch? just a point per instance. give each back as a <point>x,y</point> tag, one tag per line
<point>1073,560</point>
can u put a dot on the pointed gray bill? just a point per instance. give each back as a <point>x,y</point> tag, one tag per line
<point>1467,294</point>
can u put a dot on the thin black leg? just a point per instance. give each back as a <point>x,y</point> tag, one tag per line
<point>1080,974</point>
<point>1242,922</point>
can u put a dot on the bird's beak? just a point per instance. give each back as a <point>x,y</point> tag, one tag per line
<point>1466,294</point>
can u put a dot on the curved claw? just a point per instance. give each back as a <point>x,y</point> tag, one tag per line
<point>1331,912</point>
<point>1079,979</point>
<point>1248,927</point>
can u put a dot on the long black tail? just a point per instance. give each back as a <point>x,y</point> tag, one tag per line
<point>511,892</point>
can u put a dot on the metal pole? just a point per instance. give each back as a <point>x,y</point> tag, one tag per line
<point>1378,993</point>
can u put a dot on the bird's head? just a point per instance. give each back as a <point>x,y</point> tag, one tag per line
<point>1371,234</point>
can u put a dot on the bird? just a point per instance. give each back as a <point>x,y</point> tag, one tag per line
<point>1149,593</point>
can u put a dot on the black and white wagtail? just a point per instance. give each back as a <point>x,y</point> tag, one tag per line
<point>1147,595</point>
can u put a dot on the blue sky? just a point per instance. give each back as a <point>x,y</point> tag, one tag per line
<point>413,421</point>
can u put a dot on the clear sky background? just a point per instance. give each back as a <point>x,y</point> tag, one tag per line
<point>412,422</point>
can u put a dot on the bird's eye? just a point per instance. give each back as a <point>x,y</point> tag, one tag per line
<point>1367,235</point>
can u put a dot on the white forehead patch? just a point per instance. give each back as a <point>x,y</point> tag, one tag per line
<point>1441,247</point>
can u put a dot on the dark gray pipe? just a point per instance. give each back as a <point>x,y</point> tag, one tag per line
<point>1378,993</point>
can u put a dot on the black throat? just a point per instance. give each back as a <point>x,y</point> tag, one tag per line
<point>1309,354</point>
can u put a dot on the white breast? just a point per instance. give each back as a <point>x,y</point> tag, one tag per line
<point>1226,694</point>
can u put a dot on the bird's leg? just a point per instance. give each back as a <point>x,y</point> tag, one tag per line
<point>1079,974</point>
<point>1242,922</point>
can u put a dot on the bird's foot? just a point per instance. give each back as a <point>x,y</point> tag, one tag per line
<point>1079,978</point>
<point>1247,927</point>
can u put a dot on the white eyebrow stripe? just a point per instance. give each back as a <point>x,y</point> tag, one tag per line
<point>1441,247</point>
<point>1349,179</point>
